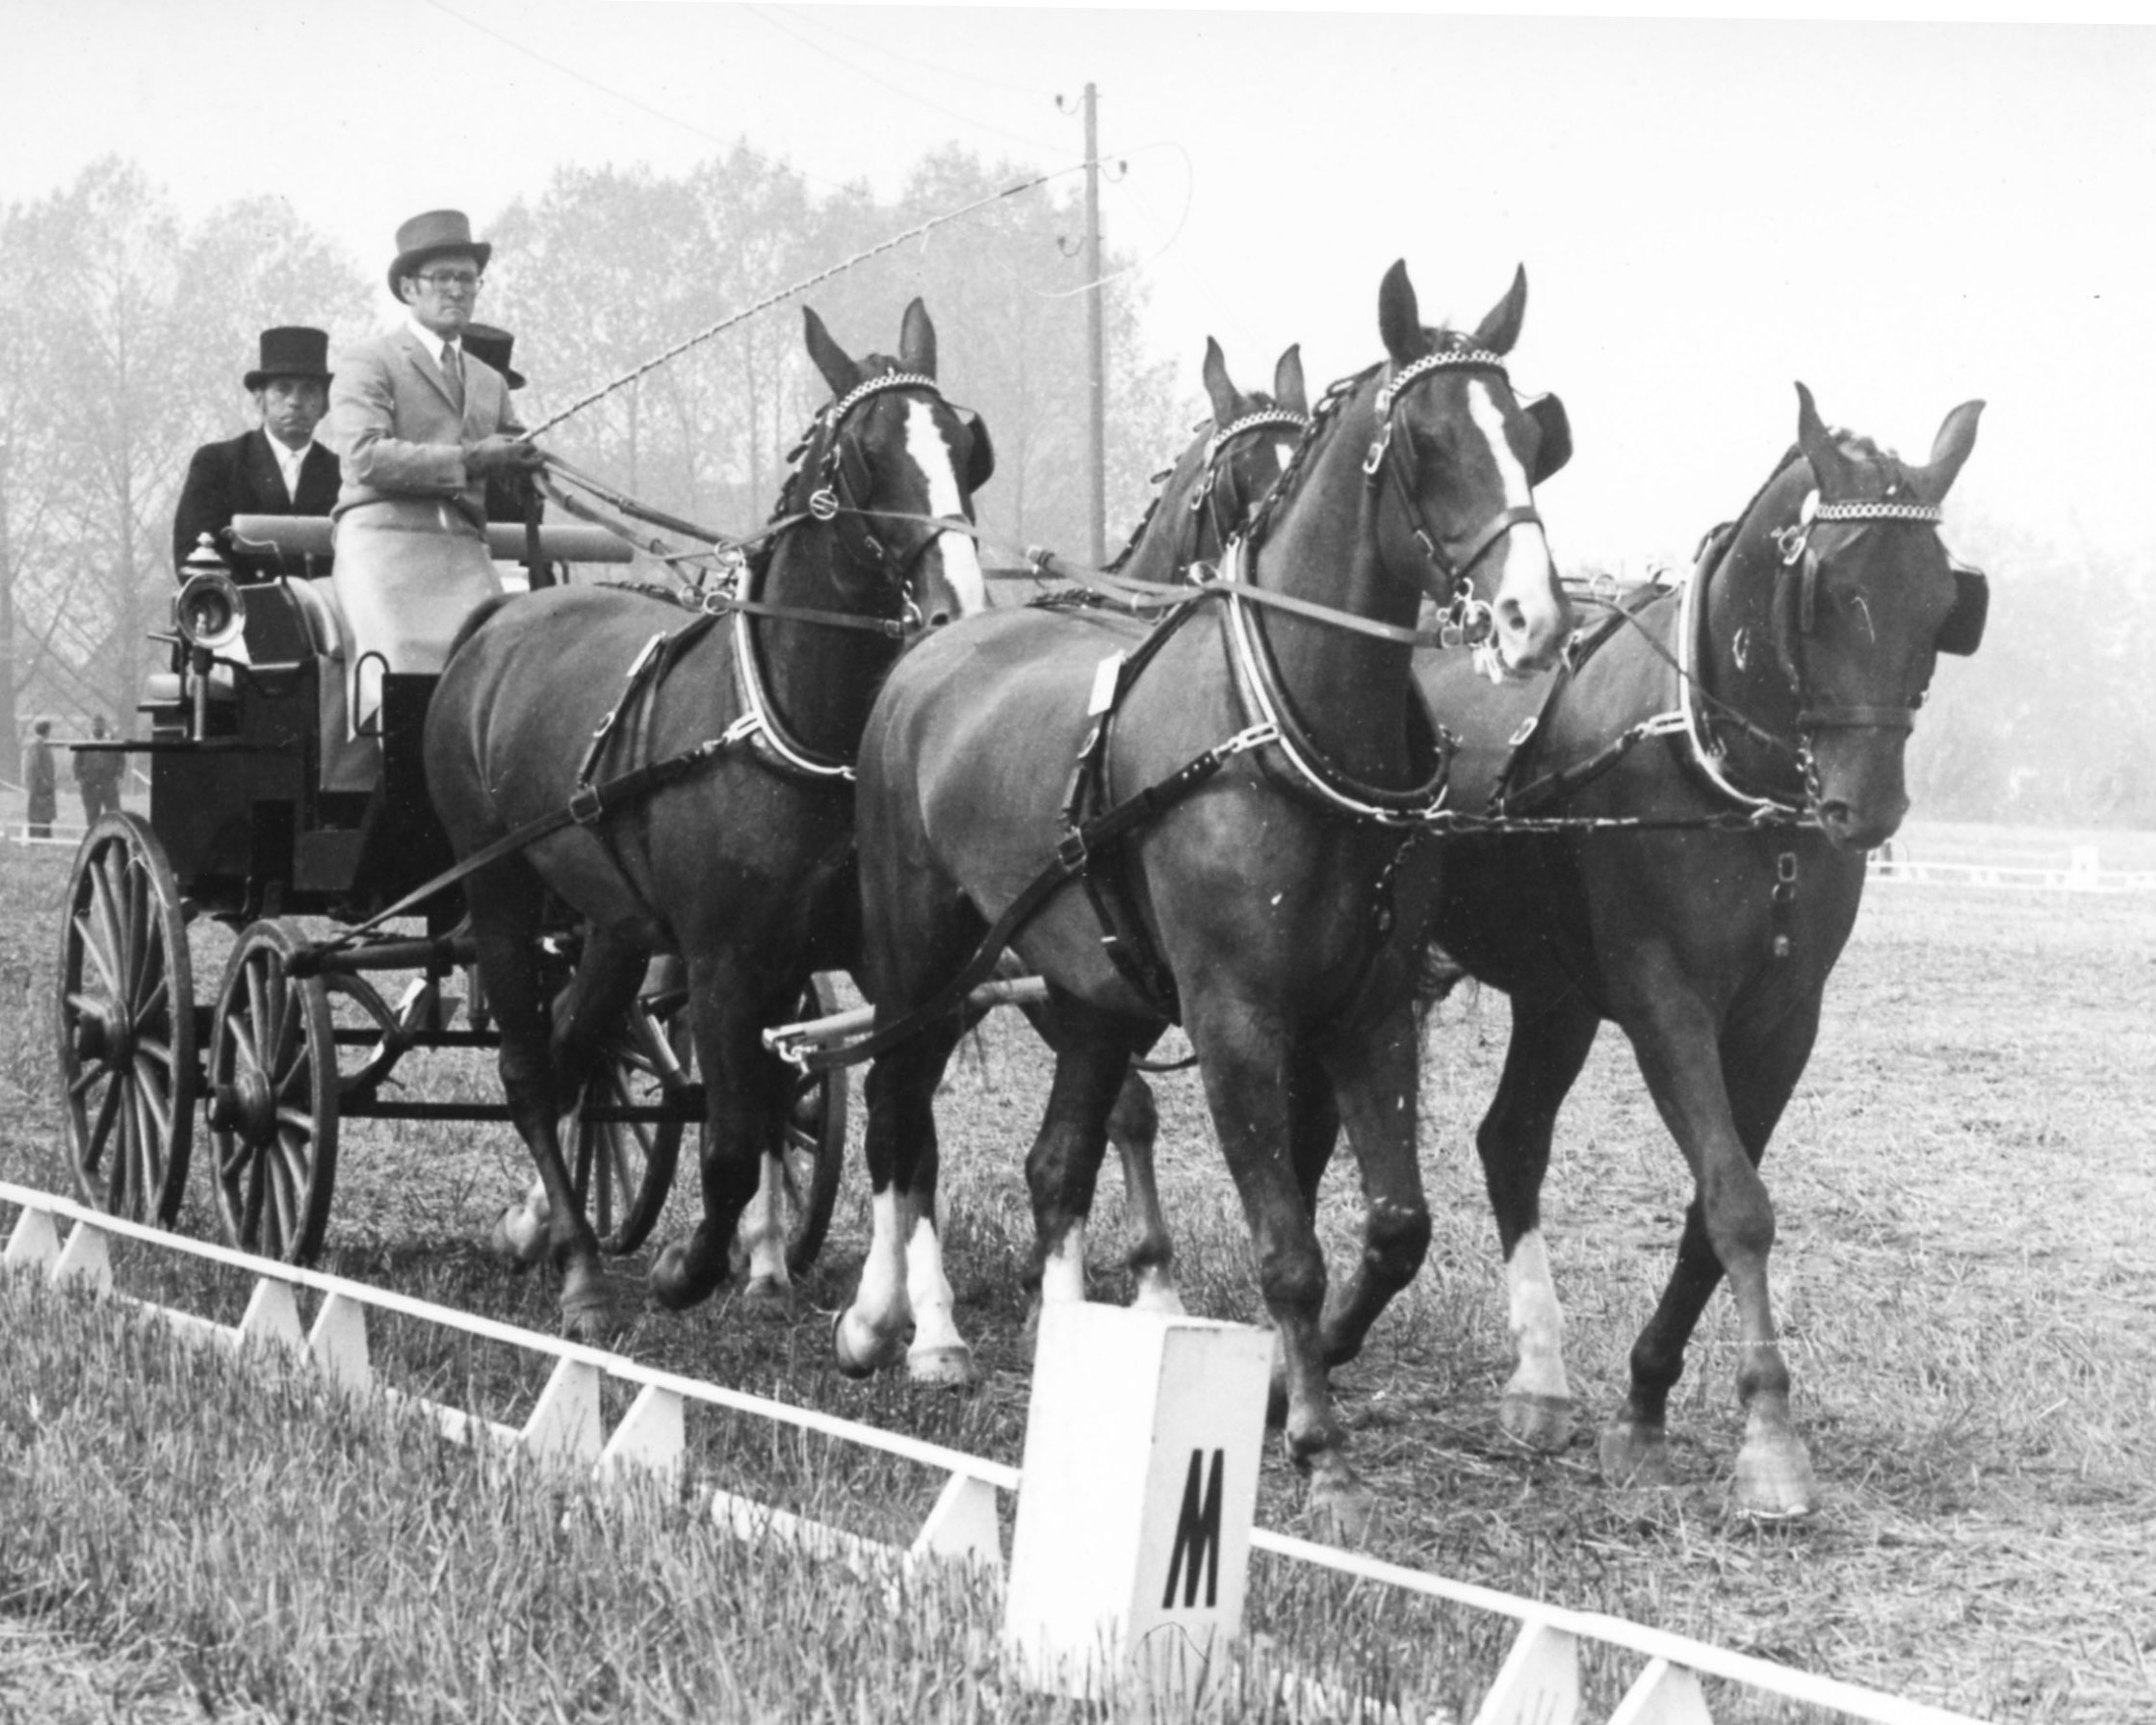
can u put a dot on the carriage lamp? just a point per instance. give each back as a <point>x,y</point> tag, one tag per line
<point>210,615</point>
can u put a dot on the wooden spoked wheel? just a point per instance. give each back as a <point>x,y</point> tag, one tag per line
<point>271,1091</point>
<point>126,1022</point>
<point>625,1169</point>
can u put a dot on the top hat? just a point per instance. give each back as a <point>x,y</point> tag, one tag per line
<point>431,235</point>
<point>291,351</point>
<point>482,341</point>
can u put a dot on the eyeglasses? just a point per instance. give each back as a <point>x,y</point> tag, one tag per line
<point>442,280</point>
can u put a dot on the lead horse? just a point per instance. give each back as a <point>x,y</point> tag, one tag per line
<point>1781,682</point>
<point>1280,740</point>
<point>740,864</point>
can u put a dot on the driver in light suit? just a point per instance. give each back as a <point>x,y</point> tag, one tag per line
<point>420,425</point>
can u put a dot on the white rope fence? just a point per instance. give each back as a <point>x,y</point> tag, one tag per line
<point>1538,1684</point>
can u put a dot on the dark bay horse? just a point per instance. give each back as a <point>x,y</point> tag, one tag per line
<point>741,866</point>
<point>1262,907</point>
<point>1204,500</point>
<point>1782,679</point>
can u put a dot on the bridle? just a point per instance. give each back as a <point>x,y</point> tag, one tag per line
<point>1223,505</point>
<point>1793,612</point>
<point>1471,618</point>
<point>841,479</point>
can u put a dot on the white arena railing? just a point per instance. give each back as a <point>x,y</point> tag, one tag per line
<point>1538,1684</point>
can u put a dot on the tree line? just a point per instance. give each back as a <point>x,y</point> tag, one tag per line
<point>124,331</point>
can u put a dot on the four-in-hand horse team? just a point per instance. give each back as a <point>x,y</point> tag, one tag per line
<point>1329,735</point>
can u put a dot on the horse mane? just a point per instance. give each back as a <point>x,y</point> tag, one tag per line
<point>872,365</point>
<point>1329,404</point>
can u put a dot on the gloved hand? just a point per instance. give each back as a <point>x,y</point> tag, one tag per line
<point>501,453</point>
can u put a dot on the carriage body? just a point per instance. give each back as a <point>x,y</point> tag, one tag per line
<point>269,817</point>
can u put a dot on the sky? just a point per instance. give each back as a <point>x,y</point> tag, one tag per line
<point>1905,216</point>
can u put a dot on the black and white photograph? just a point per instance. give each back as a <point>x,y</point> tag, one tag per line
<point>966,863</point>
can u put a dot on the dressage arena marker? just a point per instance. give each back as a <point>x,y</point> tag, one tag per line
<point>1538,1684</point>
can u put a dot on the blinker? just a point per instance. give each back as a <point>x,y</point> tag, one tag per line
<point>1963,632</point>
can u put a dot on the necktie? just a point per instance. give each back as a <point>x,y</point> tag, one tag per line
<point>452,373</point>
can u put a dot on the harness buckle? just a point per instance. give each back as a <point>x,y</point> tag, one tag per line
<point>586,806</point>
<point>1256,736</point>
<point>823,504</point>
<point>1071,852</point>
<point>1375,459</point>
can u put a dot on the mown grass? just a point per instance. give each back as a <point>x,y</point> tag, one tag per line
<point>1963,1181</point>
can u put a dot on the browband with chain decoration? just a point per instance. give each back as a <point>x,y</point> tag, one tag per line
<point>1476,358</point>
<point>1285,417</point>
<point>862,391</point>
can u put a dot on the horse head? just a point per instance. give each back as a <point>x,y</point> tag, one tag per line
<point>892,461</point>
<point>1206,496</point>
<point>1456,457</point>
<point>1865,600</point>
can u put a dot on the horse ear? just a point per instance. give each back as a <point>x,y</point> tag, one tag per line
<point>1553,429</point>
<point>1399,321</point>
<point>1501,327</point>
<point>839,370</point>
<point>1219,390</point>
<point>1949,450</point>
<point>917,341</point>
<point>1829,471</point>
<point>1287,382</point>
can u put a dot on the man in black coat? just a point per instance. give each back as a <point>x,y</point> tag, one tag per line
<point>278,469</point>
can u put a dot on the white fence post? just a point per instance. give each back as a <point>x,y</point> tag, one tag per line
<point>1664,1694</point>
<point>651,1439</point>
<point>86,1257</point>
<point>272,1316</point>
<point>1132,1548</point>
<point>338,1343</point>
<point>962,1525</point>
<point>33,1242</point>
<point>1539,1681</point>
<point>564,1425</point>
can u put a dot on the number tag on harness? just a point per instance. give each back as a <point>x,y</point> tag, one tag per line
<point>1108,675</point>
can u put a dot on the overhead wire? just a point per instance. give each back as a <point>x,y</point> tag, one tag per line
<point>763,14</point>
<point>815,16</point>
<point>628,100</point>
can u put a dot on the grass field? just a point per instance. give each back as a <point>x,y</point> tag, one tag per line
<point>1964,1272</point>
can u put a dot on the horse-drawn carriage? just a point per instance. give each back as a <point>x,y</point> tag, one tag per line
<point>266,816</point>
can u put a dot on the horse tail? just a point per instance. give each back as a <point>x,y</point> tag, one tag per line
<point>472,624</point>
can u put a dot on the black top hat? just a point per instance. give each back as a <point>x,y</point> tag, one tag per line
<point>291,351</point>
<point>484,342</point>
<point>431,235</point>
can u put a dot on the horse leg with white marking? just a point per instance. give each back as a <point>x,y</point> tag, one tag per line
<point>1550,1044</point>
<point>1134,1130</point>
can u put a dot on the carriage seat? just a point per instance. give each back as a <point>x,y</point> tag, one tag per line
<point>348,763</point>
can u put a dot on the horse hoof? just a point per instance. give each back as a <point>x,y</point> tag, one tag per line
<point>768,1292</point>
<point>1544,1423</point>
<point>949,1365</point>
<point>592,1317</point>
<point>676,1282</point>
<point>1159,1298</point>
<point>1634,1455</point>
<point>1775,1481</point>
<point>1340,1506</point>
<point>859,1349</point>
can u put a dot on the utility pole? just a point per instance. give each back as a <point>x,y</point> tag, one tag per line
<point>1095,525</point>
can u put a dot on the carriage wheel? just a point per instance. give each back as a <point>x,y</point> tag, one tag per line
<point>815,1155</point>
<point>625,1169</point>
<point>126,1022</point>
<point>272,1088</point>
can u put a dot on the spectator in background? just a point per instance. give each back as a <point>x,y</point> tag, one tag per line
<point>97,773</point>
<point>277,469</point>
<point>38,778</point>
